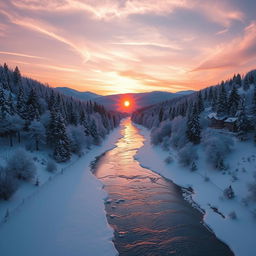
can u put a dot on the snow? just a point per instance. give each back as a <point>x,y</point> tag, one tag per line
<point>215,116</point>
<point>63,216</point>
<point>231,120</point>
<point>238,233</point>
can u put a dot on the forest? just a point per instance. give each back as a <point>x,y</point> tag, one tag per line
<point>35,117</point>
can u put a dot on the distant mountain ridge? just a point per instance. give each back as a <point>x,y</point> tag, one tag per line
<point>76,94</point>
<point>112,101</point>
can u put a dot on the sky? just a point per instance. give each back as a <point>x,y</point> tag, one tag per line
<point>123,46</point>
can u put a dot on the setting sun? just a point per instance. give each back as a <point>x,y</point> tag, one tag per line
<point>127,103</point>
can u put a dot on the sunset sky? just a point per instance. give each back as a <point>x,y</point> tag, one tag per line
<point>120,46</point>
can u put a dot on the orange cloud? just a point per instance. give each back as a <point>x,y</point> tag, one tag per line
<point>21,55</point>
<point>235,53</point>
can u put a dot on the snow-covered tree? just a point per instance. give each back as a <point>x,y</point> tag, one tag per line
<point>217,147</point>
<point>233,101</point>
<point>200,103</point>
<point>193,131</point>
<point>37,133</point>
<point>20,104</point>
<point>242,123</point>
<point>21,165</point>
<point>187,155</point>
<point>16,76</point>
<point>62,150</point>
<point>32,107</point>
<point>222,105</point>
<point>160,133</point>
<point>78,140</point>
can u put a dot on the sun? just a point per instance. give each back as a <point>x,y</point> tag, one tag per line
<point>127,103</point>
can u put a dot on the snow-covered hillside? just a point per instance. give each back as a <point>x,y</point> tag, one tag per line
<point>232,220</point>
<point>206,143</point>
<point>65,215</point>
<point>41,132</point>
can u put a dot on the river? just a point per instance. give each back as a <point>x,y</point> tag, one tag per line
<point>148,213</point>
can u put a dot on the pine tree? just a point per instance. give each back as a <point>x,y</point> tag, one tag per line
<point>200,103</point>
<point>52,130</point>
<point>193,131</point>
<point>73,118</point>
<point>233,101</point>
<point>51,101</point>
<point>94,132</point>
<point>254,103</point>
<point>37,133</point>
<point>210,94</point>
<point>243,123</point>
<point>238,80</point>
<point>81,117</point>
<point>222,102</point>
<point>62,150</point>
<point>16,76</point>
<point>21,105</point>
<point>246,83</point>
<point>3,103</point>
<point>161,114</point>
<point>32,106</point>
<point>9,103</point>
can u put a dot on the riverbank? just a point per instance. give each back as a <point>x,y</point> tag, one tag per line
<point>238,233</point>
<point>66,217</point>
<point>147,211</point>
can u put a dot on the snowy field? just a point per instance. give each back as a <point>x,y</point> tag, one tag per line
<point>240,232</point>
<point>64,215</point>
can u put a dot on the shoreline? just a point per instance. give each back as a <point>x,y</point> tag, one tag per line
<point>69,197</point>
<point>225,229</point>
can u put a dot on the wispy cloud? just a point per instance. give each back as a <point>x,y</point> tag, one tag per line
<point>46,30</point>
<point>235,53</point>
<point>128,45</point>
<point>22,55</point>
<point>151,44</point>
<point>223,31</point>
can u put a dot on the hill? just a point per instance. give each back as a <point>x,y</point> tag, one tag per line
<point>76,94</point>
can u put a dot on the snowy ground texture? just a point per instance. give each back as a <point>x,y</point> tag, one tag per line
<point>64,216</point>
<point>240,233</point>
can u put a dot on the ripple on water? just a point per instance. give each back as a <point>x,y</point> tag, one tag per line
<point>147,212</point>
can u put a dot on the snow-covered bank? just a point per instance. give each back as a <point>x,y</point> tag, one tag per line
<point>238,233</point>
<point>67,216</point>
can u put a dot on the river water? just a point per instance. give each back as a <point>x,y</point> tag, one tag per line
<point>148,212</point>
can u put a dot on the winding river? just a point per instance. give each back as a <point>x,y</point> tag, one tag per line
<point>148,212</point>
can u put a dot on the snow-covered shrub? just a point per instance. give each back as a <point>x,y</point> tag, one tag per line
<point>187,155</point>
<point>217,147</point>
<point>51,166</point>
<point>8,184</point>
<point>158,134</point>
<point>21,166</point>
<point>179,138</point>
<point>78,140</point>
<point>37,133</point>
<point>229,193</point>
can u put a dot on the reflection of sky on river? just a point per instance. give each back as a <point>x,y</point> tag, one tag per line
<point>148,212</point>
